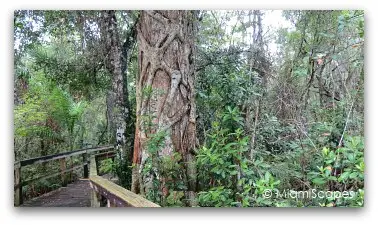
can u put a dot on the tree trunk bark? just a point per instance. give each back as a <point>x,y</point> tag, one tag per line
<point>130,129</point>
<point>117,104</point>
<point>165,93</point>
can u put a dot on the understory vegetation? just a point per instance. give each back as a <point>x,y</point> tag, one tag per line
<point>279,109</point>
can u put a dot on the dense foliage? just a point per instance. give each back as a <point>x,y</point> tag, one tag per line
<point>280,109</point>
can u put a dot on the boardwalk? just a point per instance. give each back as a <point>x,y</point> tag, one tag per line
<point>87,192</point>
<point>76,194</point>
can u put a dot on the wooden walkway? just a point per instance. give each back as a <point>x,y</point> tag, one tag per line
<point>87,192</point>
<point>76,194</point>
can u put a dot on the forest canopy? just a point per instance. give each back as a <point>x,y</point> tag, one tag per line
<point>213,108</point>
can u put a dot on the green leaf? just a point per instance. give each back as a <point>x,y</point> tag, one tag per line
<point>353,175</point>
<point>343,176</point>
<point>234,172</point>
<point>318,181</point>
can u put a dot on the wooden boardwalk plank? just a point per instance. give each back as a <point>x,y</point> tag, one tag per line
<point>76,194</point>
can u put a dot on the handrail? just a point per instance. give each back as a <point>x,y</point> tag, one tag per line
<point>115,194</point>
<point>47,158</point>
<point>23,183</point>
<point>63,170</point>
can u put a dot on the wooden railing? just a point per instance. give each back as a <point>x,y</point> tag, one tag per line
<point>102,188</point>
<point>19,183</point>
<point>115,195</point>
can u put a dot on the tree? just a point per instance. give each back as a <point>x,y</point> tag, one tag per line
<point>220,106</point>
<point>117,100</point>
<point>165,95</point>
<point>260,64</point>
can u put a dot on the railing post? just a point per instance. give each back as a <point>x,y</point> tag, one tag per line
<point>95,197</point>
<point>85,161</point>
<point>71,172</point>
<point>110,203</point>
<point>17,176</point>
<point>95,202</point>
<point>62,168</point>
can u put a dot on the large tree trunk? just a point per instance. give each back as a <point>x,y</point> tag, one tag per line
<point>117,104</point>
<point>165,94</point>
